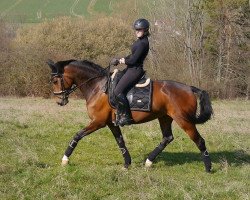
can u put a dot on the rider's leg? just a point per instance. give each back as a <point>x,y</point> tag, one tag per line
<point>123,107</point>
<point>128,80</point>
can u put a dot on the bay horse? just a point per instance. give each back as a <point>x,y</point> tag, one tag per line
<point>170,101</point>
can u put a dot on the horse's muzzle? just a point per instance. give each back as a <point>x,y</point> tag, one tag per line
<point>63,101</point>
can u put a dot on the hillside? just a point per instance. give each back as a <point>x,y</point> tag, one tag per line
<point>33,11</point>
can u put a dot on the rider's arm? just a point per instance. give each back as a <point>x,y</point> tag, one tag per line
<point>133,58</point>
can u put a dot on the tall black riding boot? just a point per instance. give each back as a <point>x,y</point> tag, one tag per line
<point>126,117</point>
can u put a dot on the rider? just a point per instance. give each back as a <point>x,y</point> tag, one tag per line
<point>134,70</point>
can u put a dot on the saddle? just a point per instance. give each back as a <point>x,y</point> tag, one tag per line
<point>139,97</point>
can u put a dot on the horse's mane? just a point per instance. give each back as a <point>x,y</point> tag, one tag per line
<point>61,64</point>
<point>82,64</point>
<point>88,65</point>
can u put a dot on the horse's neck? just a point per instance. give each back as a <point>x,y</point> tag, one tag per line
<point>81,77</point>
<point>91,85</point>
<point>87,80</point>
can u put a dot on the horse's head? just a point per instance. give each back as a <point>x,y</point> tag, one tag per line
<point>62,85</point>
<point>67,76</point>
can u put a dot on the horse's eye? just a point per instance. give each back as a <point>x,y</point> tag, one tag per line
<point>54,81</point>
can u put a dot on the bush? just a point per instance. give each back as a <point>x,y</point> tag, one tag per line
<point>80,39</point>
<point>24,71</point>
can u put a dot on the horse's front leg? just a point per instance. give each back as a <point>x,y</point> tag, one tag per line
<point>93,126</point>
<point>120,141</point>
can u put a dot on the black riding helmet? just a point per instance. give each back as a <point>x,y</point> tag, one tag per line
<point>141,24</point>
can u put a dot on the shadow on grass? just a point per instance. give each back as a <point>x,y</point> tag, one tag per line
<point>237,157</point>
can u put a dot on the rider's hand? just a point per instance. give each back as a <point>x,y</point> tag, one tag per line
<point>114,62</point>
<point>122,61</point>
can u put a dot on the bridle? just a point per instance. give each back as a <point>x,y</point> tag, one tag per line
<point>64,93</point>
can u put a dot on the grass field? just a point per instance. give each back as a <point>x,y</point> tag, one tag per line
<point>34,133</point>
<point>32,11</point>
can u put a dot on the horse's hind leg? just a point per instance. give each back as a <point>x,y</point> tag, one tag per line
<point>165,124</point>
<point>193,133</point>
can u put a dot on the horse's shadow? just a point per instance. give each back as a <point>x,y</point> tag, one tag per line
<point>237,157</point>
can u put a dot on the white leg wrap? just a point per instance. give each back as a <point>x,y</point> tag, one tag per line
<point>148,163</point>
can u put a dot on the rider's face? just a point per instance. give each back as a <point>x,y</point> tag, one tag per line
<point>139,33</point>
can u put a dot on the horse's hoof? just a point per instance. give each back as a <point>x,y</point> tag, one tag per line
<point>65,160</point>
<point>125,169</point>
<point>65,163</point>
<point>148,163</point>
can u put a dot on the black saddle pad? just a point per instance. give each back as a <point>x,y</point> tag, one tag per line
<point>139,98</point>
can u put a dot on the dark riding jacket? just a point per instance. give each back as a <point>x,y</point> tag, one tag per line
<point>139,51</point>
<point>134,62</point>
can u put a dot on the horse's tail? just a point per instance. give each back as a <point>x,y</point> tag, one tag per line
<point>206,109</point>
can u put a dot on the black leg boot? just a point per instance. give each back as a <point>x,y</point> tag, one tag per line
<point>126,117</point>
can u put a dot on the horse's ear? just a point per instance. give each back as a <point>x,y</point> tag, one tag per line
<point>51,65</point>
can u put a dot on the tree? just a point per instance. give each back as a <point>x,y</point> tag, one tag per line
<point>227,45</point>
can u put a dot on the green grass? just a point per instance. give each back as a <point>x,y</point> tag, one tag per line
<point>34,133</point>
<point>105,6</point>
<point>33,11</point>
